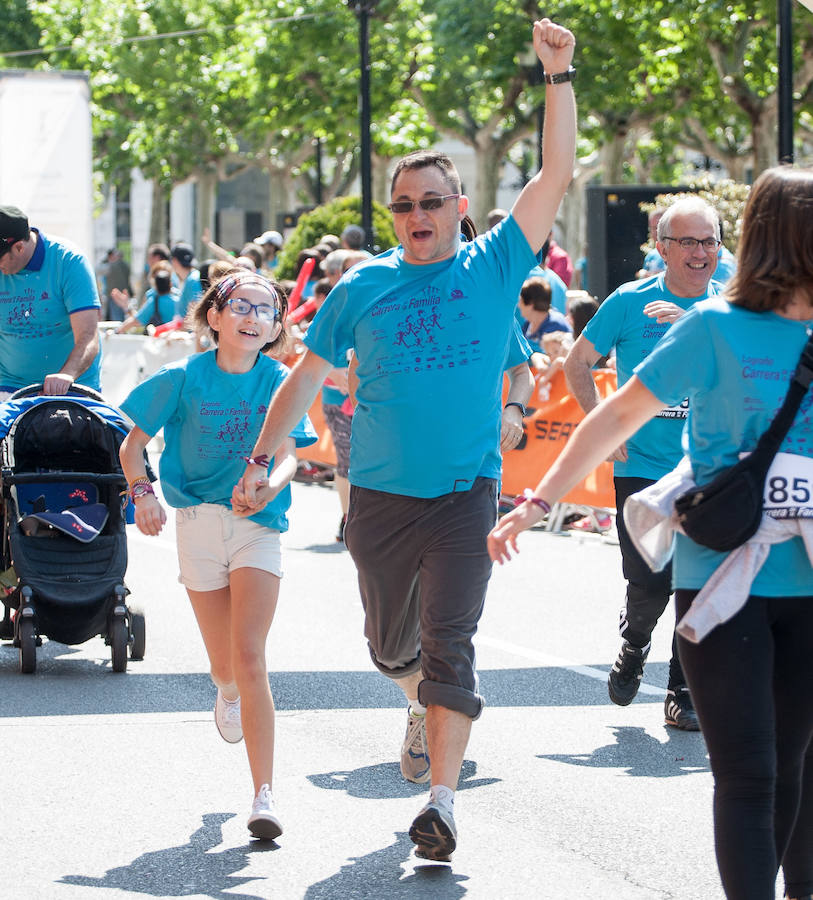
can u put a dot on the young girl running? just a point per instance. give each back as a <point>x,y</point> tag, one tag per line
<point>211,407</point>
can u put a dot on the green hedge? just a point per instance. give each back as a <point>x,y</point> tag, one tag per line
<point>333,218</point>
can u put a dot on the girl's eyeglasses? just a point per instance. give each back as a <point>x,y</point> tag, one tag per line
<point>262,310</point>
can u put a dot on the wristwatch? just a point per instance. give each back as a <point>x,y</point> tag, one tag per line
<point>519,406</point>
<point>561,77</point>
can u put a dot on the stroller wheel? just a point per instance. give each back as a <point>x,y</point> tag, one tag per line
<point>28,646</point>
<point>119,639</point>
<point>138,627</point>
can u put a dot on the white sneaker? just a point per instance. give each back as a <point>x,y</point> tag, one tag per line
<point>227,719</point>
<point>263,821</point>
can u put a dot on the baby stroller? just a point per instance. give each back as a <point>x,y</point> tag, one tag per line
<point>64,545</point>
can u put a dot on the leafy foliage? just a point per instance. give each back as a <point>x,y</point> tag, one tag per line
<point>333,218</point>
<point>726,196</point>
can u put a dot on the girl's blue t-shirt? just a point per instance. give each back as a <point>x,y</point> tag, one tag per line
<point>735,367</point>
<point>432,342</point>
<point>211,420</point>
<point>620,322</point>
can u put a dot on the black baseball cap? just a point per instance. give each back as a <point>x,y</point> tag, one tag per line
<point>13,227</point>
<point>184,254</point>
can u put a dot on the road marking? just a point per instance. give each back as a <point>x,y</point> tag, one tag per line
<point>547,659</point>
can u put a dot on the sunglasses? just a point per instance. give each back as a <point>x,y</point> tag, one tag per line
<point>428,203</point>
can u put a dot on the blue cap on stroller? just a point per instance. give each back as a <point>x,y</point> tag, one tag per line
<point>83,523</point>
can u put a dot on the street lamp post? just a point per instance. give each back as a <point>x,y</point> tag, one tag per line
<point>785,87</point>
<point>363,9</point>
<point>318,153</point>
<point>536,76</point>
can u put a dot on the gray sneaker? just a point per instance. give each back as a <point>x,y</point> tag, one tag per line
<point>434,833</point>
<point>414,752</point>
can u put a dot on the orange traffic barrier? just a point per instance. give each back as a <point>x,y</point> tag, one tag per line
<point>547,428</point>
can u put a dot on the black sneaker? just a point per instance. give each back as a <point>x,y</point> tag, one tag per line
<point>678,710</point>
<point>626,674</point>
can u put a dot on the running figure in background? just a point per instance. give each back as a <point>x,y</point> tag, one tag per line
<point>211,407</point>
<point>633,319</point>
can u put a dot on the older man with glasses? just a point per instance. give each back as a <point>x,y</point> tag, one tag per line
<point>432,322</point>
<point>50,309</point>
<point>632,320</point>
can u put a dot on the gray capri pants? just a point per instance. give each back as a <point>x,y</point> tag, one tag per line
<point>423,570</point>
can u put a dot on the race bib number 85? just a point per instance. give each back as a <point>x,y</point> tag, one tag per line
<point>789,487</point>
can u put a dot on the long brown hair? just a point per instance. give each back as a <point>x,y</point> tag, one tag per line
<point>775,253</point>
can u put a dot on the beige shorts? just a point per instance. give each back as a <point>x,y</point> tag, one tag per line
<point>213,542</point>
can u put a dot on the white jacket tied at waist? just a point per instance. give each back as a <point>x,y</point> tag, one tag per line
<point>651,521</point>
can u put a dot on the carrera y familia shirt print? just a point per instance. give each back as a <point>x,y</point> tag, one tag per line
<point>211,420</point>
<point>655,449</point>
<point>432,343</point>
<point>35,309</point>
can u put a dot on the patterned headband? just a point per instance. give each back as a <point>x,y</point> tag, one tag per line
<point>226,285</point>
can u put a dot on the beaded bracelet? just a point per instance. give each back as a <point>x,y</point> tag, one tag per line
<point>261,460</point>
<point>528,497</point>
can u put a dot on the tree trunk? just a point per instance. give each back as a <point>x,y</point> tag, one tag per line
<point>613,156</point>
<point>488,167</point>
<point>205,211</point>
<point>381,181</point>
<point>279,195</point>
<point>158,214</point>
<point>764,137</point>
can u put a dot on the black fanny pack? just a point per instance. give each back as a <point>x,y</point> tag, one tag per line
<point>725,513</point>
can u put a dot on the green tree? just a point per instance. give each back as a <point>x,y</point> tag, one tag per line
<point>333,218</point>
<point>19,33</point>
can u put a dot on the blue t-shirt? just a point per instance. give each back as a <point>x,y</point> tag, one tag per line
<point>519,349</point>
<point>554,322</point>
<point>211,420</point>
<point>166,307</point>
<point>35,314</point>
<point>332,396</point>
<point>726,265</point>
<point>735,366</point>
<point>653,262</point>
<point>620,322</point>
<point>558,289</point>
<point>190,292</point>
<point>432,343</point>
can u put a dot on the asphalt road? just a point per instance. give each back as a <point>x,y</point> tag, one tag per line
<point>118,785</point>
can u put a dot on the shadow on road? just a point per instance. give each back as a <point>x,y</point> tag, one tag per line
<point>383,781</point>
<point>379,874</point>
<point>184,871</point>
<point>639,753</point>
<point>80,686</point>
